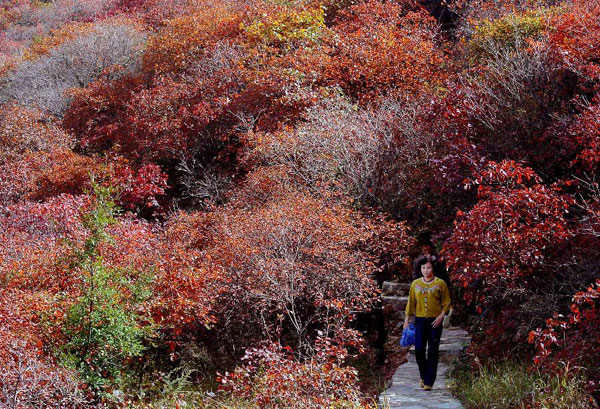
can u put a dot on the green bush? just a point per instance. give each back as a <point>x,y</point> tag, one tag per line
<point>511,385</point>
<point>506,33</point>
<point>103,328</point>
<point>288,28</point>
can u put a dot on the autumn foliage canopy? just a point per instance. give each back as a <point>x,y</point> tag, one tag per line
<point>205,194</point>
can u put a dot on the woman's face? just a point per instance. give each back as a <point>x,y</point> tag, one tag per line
<point>427,271</point>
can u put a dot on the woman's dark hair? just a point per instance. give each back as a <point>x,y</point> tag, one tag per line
<point>423,260</point>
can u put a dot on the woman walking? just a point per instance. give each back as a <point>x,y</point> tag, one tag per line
<point>429,301</point>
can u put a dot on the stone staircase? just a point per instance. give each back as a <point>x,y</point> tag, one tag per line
<point>404,391</point>
<point>394,298</point>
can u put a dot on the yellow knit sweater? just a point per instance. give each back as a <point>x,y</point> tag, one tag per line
<point>428,299</point>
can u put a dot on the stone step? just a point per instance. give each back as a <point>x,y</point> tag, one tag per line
<point>394,302</point>
<point>393,308</point>
<point>391,288</point>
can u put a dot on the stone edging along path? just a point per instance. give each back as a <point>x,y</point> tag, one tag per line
<point>404,392</point>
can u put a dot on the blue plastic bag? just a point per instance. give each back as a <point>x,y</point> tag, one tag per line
<point>408,336</point>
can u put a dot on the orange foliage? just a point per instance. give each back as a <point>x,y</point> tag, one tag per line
<point>236,101</point>
<point>282,268</point>
<point>377,49</point>
<point>28,379</point>
<point>185,39</point>
<point>184,290</point>
<point>575,41</point>
<point>373,49</point>
<point>32,248</point>
<point>305,260</point>
<point>25,130</point>
<point>57,37</point>
<point>61,171</point>
<point>30,144</point>
<point>273,374</point>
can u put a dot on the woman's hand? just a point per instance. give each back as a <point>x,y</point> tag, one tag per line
<point>405,323</point>
<point>438,321</point>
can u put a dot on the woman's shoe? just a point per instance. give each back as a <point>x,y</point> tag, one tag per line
<point>422,384</point>
<point>426,388</point>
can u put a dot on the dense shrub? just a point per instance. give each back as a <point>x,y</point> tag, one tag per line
<point>286,29</point>
<point>167,120</point>
<point>574,41</point>
<point>185,39</point>
<point>503,250</point>
<point>508,32</point>
<point>378,49</point>
<point>29,142</point>
<point>473,12</point>
<point>42,82</point>
<point>585,132</point>
<point>512,97</point>
<point>29,379</point>
<point>571,339</point>
<point>291,267</point>
<point>185,286</point>
<point>139,190</point>
<point>103,329</point>
<point>352,149</point>
<point>31,243</point>
<point>394,157</point>
<point>271,377</point>
<point>57,172</point>
<point>26,130</point>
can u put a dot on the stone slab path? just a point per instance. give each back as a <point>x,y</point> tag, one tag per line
<point>405,393</point>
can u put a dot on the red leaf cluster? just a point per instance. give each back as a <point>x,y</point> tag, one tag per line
<point>572,338</point>
<point>272,377</point>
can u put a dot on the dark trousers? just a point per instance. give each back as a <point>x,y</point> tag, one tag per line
<point>427,347</point>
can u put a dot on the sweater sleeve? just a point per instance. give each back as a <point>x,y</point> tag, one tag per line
<point>445,298</point>
<point>411,306</point>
